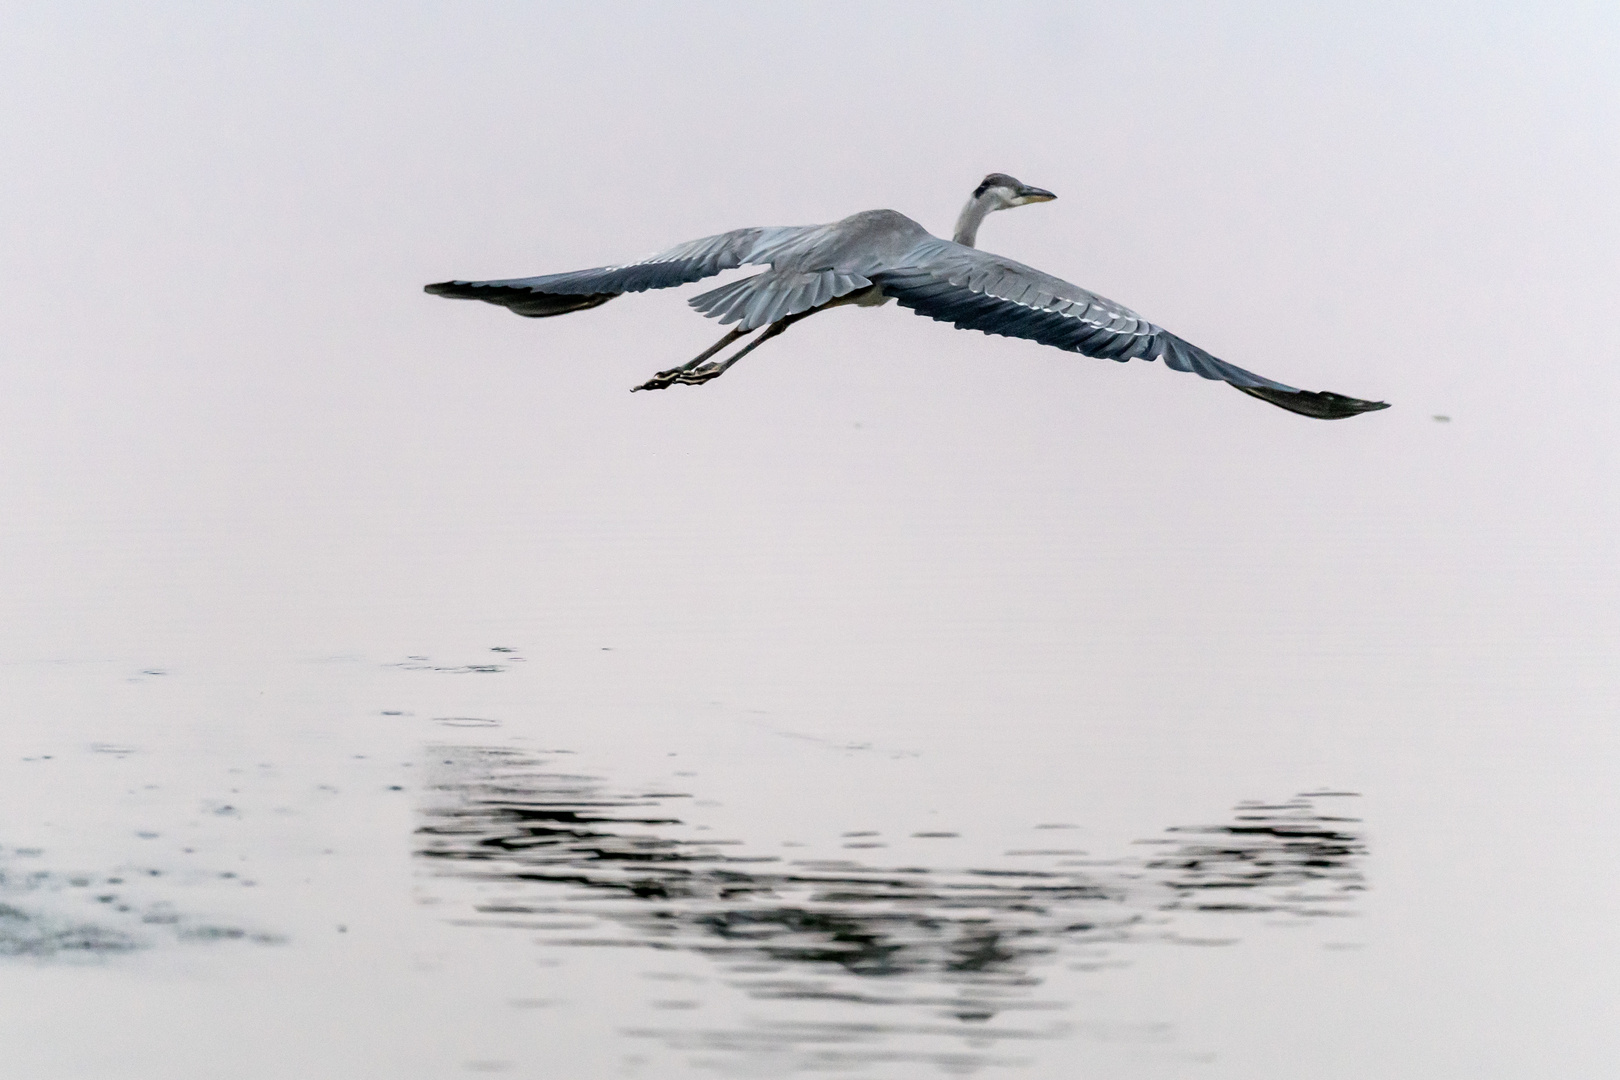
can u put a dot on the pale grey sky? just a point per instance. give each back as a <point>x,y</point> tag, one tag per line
<point>220,219</point>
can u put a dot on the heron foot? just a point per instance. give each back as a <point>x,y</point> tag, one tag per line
<point>661,380</point>
<point>690,377</point>
<point>700,375</point>
<point>682,374</point>
<point>700,369</point>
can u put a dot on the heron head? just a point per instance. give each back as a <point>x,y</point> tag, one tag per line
<point>1003,191</point>
<point>998,191</point>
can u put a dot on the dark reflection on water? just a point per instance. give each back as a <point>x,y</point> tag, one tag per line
<point>863,964</point>
<point>1288,857</point>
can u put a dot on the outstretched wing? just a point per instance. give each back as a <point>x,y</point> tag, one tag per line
<point>557,294</point>
<point>975,290</point>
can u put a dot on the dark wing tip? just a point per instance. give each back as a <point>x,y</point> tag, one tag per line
<point>519,299</point>
<point>1323,405</point>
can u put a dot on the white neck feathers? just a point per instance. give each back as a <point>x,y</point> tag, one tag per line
<point>967,225</point>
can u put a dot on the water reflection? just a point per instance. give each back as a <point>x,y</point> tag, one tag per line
<point>1288,857</point>
<point>44,914</point>
<point>860,963</point>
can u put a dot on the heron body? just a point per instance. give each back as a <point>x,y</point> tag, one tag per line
<point>875,256</point>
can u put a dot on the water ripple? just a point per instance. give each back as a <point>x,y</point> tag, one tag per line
<point>905,956</point>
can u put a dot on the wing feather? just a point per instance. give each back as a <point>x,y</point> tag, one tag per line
<point>557,294</point>
<point>764,298</point>
<point>975,290</point>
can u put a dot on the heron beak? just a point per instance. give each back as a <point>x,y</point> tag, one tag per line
<point>1034,194</point>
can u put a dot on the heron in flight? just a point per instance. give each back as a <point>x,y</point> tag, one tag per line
<point>876,256</point>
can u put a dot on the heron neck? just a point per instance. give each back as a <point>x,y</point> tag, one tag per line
<point>967,225</point>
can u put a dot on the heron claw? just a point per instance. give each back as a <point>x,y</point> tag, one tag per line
<point>660,380</point>
<point>699,376</point>
<point>690,377</point>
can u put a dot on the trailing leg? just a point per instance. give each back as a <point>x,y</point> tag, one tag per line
<point>698,375</point>
<point>673,375</point>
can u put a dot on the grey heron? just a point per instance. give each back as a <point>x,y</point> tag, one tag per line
<point>876,256</point>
